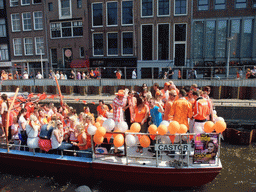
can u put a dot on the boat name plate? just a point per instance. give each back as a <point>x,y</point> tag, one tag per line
<point>172,147</point>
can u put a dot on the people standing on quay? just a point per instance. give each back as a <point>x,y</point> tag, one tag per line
<point>170,73</point>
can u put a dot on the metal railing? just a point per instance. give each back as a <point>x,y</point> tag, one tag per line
<point>183,155</point>
<point>156,72</point>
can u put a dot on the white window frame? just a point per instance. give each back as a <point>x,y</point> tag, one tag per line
<point>141,10</point>
<point>14,1</point>
<point>107,43</point>
<point>3,27</point>
<point>34,20</point>
<point>158,10</point>
<point>93,44</point>
<point>169,40</point>
<point>246,2</point>
<point>24,4</point>
<point>26,19</point>
<point>142,42</point>
<point>181,14</point>
<point>4,52</point>
<point>180,42</point>
<point>24,44</point>
<point>38,47</point>
<point>219,4</point>
<point>122,43</point>
<point>107,14</point>
<point>14,50</point>
<point>102,15</point>
<point>2,4</point>
<point>122,14</point>
<point>70,9</point>
<point>12,20</point>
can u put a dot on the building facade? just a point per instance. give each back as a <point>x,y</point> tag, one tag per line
<point>67,22</point>
<point>27,35</point>
<point>5,62</point>
<point>222,31</point>
<point>154,34</point>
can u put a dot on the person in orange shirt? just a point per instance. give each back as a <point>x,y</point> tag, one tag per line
<point>4,75</point>
<point>100,108</point>
<point>207,91</point>
<point>141,113</point>
<point>181,109</point>
<point>168,105</point>
<point>118,74</point>
<point>201,111</point>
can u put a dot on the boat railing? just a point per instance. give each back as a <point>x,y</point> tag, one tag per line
<point>180,150</point>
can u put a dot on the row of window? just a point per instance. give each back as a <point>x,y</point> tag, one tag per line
<point>15,3</point>
<point>210,38</point>
<point>27,21</point>
<point>147,37</point>
<point>28,46</point>
<point>203,5</point>
<point>163,9</point>
<point>66,29</point>
<point>112,44</point>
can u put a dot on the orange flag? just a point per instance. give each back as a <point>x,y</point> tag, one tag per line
<point>93,103</point>
<point>172,138</point>
<point>84,101</point>
<point>108,136</point>
<point>191,137</point>
<point>77,99</point>
<point>152,137</point>
<point>51,97</point>
<point>31,95</point>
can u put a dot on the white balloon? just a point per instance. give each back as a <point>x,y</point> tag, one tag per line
<point>92,130</point>
<point>220,119</point>
<point>130,140</point>
<point>214,112</point>
<point>164,122</point>
<point>165,140</point>
<point>109,124</point>
<point>122,126</point>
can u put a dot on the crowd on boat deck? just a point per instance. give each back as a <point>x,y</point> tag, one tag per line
<point>45,126</point>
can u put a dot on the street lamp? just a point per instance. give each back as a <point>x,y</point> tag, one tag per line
<point>42,66</point>
<point>229,39</point>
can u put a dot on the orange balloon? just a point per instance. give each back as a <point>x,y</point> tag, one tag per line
<point>119,140</point>
<point>174,127</point>
<point>144,141</point>
<point>115,134</point>
<point>162,129</point>
<point>101,131</point>
<point>100,120</point>
<point>97,124</point>
<point>208,127</point>
<point>135,127</point>
<point>98,139</point>
<point>183,129</point>
<point>152,129</point>
<point>220,126</point>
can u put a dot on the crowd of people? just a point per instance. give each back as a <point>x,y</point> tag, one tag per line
<point>45,126</point>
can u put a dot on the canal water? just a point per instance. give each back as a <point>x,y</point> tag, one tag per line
<point>238,174</point>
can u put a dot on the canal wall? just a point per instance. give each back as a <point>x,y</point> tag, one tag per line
<point>220,89</point>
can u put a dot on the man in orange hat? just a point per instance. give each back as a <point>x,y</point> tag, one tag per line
<point>118,104</point>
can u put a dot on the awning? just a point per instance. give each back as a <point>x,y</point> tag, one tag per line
<point>79,63</point>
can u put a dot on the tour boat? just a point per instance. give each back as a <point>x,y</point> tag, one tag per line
<point>183,163</point>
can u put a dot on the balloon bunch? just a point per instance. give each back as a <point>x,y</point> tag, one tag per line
<point>219,126</point>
